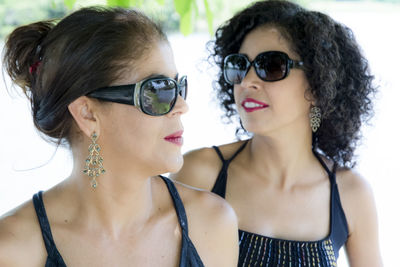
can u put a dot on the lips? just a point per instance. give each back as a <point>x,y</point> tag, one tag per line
<point>250,105</point>
<point>175,138</point>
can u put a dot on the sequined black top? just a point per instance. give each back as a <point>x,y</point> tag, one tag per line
<point>189,256</point>
<point>259,250</point>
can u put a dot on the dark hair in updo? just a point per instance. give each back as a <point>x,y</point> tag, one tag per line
<point>56,62</point>
<point>337,72</point>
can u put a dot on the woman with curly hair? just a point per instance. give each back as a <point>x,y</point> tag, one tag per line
<point>104,82</point>
<point>302,88</point>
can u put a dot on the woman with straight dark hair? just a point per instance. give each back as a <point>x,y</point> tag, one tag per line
<point>103,81</point>
<point>302,89</point>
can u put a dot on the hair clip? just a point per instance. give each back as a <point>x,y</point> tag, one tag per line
<point>34,66</point>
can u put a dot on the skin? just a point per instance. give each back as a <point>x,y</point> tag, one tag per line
<point>277,174</point>
<point>129,219</point>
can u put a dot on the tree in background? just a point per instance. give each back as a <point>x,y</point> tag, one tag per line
<point>15,13</point>
<point>185,16</point>
<point>175,15</point>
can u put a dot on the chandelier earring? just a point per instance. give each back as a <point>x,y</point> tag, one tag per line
<point>315,118</point>
<point>94,162</point>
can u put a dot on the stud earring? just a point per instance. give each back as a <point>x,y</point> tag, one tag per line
<point>94,162</point>
<point>315,118</point>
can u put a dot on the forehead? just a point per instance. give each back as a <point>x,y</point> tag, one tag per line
<point>265,38</point>
<point>157,60</point>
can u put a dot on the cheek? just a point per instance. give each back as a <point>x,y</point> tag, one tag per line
<point>128,130</point>
<point>288,105</point>
<point>291,93</point>
<point>236,94</point>
<point>133,137</point>
<point>139,134</point>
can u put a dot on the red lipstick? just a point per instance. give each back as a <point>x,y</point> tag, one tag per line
<point>175,138</point>
<point>250,105</point>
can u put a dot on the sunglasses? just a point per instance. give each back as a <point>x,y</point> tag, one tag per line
<point>155,96</point>
<point>270,66</point>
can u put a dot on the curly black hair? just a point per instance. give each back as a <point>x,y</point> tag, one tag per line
<point>337,72</point>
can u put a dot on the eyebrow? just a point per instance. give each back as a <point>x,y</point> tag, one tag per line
<point>158,75</point>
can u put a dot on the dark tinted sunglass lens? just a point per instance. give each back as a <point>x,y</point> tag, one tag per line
<point>158,96</point>
<point>235,68</point>
<point>271,66</point>
<point>183,85</point>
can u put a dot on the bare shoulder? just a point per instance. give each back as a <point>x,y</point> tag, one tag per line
<point>20,238</point>
<point>362,246</point>
<point>354,189</point>
<point>201,166</point>
<point>212,226</point>
<point>352,185</point>
<point>205,206</point>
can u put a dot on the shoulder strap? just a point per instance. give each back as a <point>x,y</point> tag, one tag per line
<point>234,155</point>
<point>338,224</point>
<point>180,209</point>
<point>238,151</point>
<point>331,173</point>
<point>51,248</point>
<point>189,256</point>
<point>339,227</point>
<point>219,187</point>
<point>221,157</point>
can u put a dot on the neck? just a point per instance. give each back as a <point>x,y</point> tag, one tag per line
<point>283,158</point>
<point>123,198</point>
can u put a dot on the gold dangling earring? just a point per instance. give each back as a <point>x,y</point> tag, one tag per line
<point>315,118</point>
<point>94,162</point>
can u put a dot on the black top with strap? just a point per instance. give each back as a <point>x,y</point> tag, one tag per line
<point>259,250</point>
<point>188,258</point>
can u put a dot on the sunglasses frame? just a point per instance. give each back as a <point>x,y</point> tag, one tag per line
<point>290,63</point>
<point>127,94</point>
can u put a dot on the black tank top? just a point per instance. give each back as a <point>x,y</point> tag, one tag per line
<point>259,250</point>
<point>189,256</point>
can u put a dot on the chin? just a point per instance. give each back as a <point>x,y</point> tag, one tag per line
<point>177,167</point>
<point>253,127</point>
<point>174,165</point>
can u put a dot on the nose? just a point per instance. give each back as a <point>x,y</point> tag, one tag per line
<point>181,107</point>
<point>251,80</point>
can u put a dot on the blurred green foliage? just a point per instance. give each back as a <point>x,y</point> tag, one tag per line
<point>185,16</point>
<point>14,13</point>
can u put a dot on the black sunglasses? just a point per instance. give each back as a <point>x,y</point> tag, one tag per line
<point>155,96</point>
<point>270,66</point>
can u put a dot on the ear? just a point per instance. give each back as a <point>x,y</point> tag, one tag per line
<point>309,97</point>
<point>81,110</point>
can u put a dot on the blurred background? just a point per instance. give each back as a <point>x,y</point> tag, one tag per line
<point>29,164</point>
